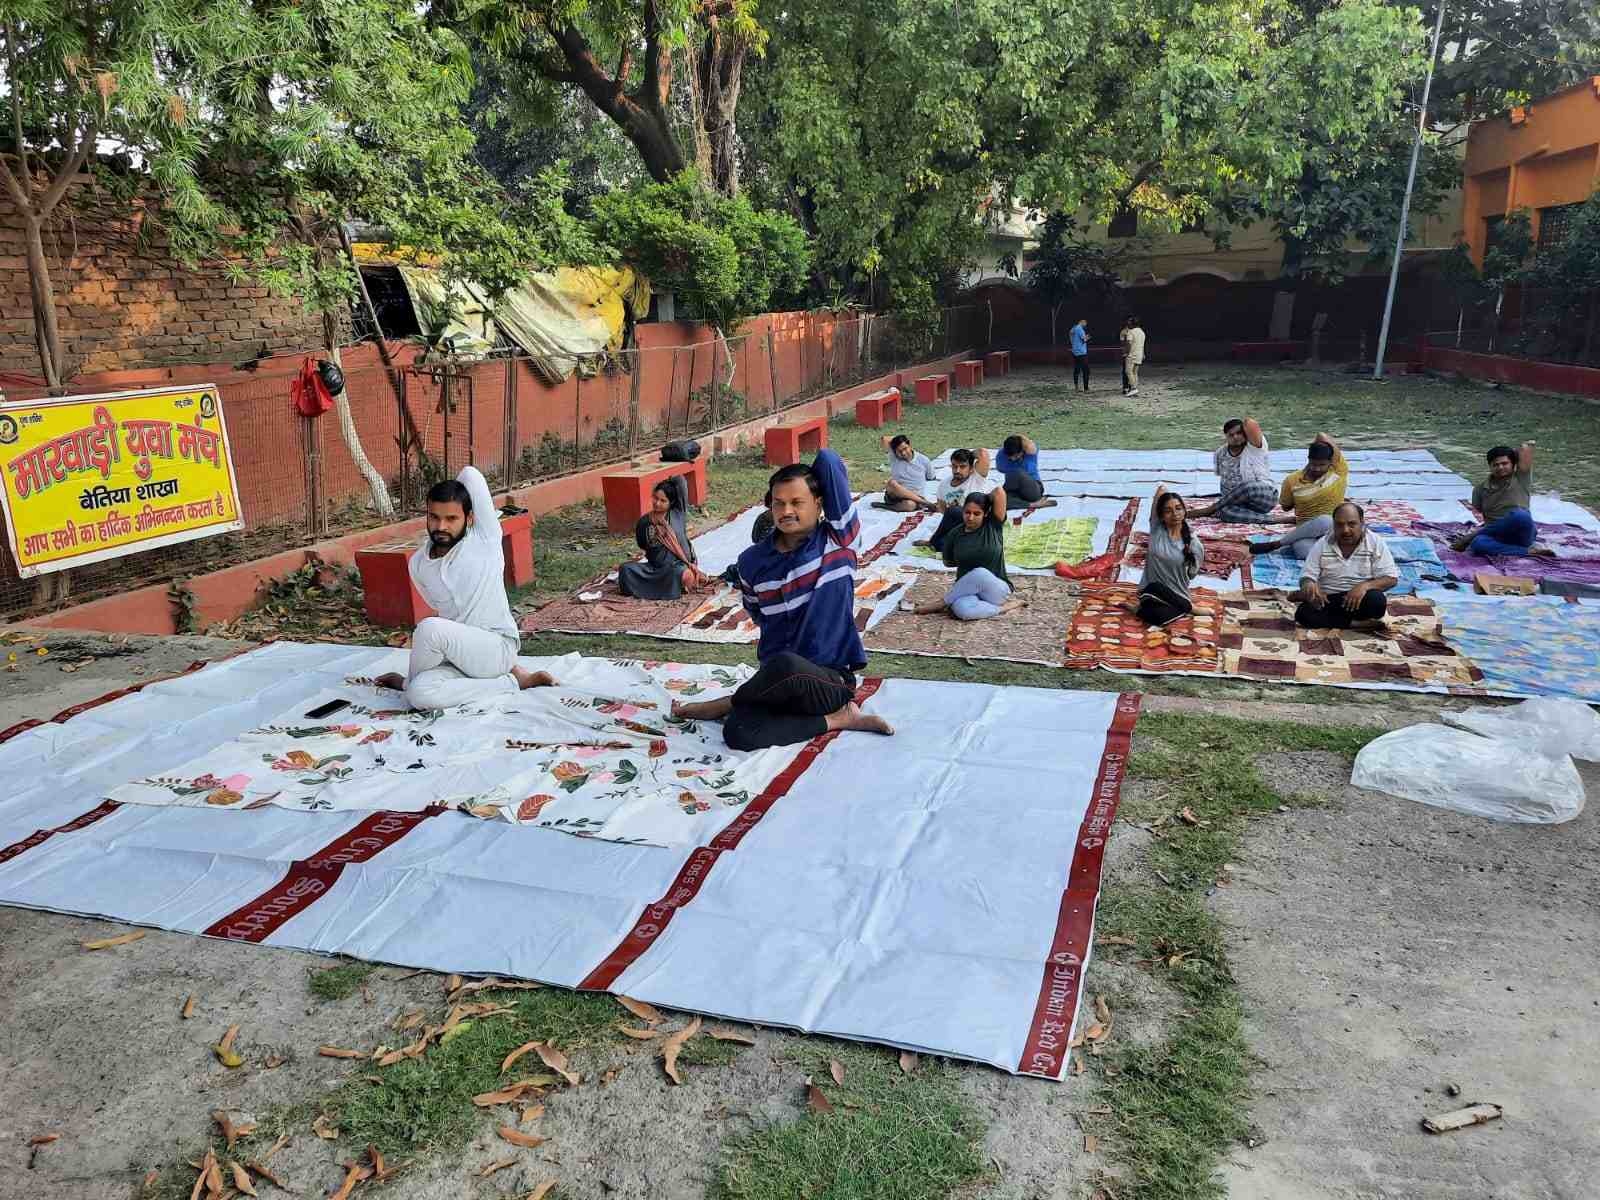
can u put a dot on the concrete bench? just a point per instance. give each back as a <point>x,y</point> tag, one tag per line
<point>969,372</point>
<point>789,443</point>
<point>875,410</point>
<point>391,597</point>
<point>933,388</point>
<point>627,492</point>
<point>997,363</point>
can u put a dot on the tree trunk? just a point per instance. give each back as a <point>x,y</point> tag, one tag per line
<point>381,502</point>
<point>1282,325</point>
<point>719,69</point>
<point>46,331</point>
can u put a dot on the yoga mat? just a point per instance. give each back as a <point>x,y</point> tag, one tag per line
<point>1104,634</point>
<point>1031,634</point>
<point>1414,557</point>
<point>870,875</point>
<point>1527,645</point>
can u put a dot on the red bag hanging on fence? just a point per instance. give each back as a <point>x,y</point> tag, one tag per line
<point>311,395</point>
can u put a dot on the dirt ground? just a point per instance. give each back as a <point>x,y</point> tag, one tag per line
<point>1386,951</point>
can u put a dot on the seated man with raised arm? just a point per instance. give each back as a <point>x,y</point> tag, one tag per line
<point>1245,470</point>
<point>1311,493</point>
<point>1346,575</point>
<point>1505,501</point>
<point>469,650</point>
<point>1018,462</point>
<point>967,471</point>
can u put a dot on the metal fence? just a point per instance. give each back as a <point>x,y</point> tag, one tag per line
<point>1542,324</point>
<point>517,418</point>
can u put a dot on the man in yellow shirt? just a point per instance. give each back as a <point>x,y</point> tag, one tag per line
<point>1311,493</point>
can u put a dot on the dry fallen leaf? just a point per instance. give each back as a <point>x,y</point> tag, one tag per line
<point>503,1096</point>
<point>1102,1010</point>
<point>496,1166</point>
<point>211,1172</point>
<point>538,1193</point>
<point>531,1114</point>
<point>379,1171</point>
<point>908,1061</point>
<point>241,1179</point>
<point>188,1008</point>
<point>499,985</point>
<point>730,1035</point>
<point>517,1138</point>
<point>644,1035</point>
<point>836,1069</point>
<point>272,1062</point>
<point>44,1139</point>
<point>262,1171</point>
<point>408,1020</point>
<point>609,1077</point>
<point>1077,1065</point>
<point>516,1054</point>
<point>815,1098</point>
<point>1114,940</point>
<point>121,940</point>
<point>230,1135</point>
<point>1090,1144</point>
<point>354,1174</point>
<point>1094,1033</point>
<point>339,1052</point>
<point>324,1128</point>
<point>557,1062</point>
<point>645,1012</point>
<point>283,1140</point>
<point>1186,815</point>
<point>452,983</point>
<point>673,1046</point>
<point>225,1052</point>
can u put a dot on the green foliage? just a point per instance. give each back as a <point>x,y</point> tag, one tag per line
<point>725,259</point>
<point>1498,53</point>
<point>1068,264</point>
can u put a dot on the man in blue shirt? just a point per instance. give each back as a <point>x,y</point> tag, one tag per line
<point>1018,462</point>
<point>799,588</point>
<point>1080,353</point>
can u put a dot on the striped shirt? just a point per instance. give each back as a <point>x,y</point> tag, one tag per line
<point>1328,567</point>
<point>804,601</point>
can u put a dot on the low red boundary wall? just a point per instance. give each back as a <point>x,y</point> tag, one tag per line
<point>1520,372</point>
<point>228,593</point>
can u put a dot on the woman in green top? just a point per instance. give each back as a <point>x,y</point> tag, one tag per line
<point>977,551</point>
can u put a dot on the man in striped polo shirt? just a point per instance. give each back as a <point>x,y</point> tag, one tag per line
<point>799,587</point>
<point>1346,575</point>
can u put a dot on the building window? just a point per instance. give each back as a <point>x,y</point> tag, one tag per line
<point>1124,225</point>
<point>1554,222</point>
<point>1493,230</point>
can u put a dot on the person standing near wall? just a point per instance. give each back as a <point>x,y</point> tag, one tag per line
<point>1135,343</point>
<point>1080,353</point>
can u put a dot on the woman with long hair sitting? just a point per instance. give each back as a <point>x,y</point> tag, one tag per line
<point>976,549</point>
<point>1172,561</point>
<point>669,568</point>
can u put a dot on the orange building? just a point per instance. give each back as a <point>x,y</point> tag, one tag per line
<point>1544,157</point>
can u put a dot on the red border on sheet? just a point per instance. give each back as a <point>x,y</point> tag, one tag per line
<point>309,878</point>
<point>39,836</point>
<point>1046,1051</point>
<point>686,885</point>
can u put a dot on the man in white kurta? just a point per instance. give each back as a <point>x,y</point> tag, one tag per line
<point>469,651</point>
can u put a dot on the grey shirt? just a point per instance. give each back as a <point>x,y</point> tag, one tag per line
<point>1164,564</point>
<point>1494,498</point>
<point>912,474</point>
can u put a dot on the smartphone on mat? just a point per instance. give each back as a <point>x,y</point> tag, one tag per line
<point>328,709</point>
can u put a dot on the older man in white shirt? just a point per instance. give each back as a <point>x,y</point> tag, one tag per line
<point>1346,575</point>
<point>468,651</point>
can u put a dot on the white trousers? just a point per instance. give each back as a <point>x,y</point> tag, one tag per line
<point>452,663</point>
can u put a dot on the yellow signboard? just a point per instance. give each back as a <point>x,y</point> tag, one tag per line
<point>87,478</point>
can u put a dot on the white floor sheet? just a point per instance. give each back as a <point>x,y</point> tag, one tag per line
<point>870,892</point>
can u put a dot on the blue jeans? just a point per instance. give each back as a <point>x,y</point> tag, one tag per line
<point>976,595</point>
<point>1299,540</point>
<point>1511,534</point>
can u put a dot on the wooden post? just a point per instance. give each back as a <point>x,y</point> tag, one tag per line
<point>716,383</point>
<point>313,474</point>
<point>633,401</point>
<point>577,414</point>
<point>445,396</point>
<point>772,365</point>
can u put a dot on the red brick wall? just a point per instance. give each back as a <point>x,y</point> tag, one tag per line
<point>119,311</point>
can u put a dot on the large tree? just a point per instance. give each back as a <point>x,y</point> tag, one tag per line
<point>667,72</point>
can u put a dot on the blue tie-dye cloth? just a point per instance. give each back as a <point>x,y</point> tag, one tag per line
<point>1415,557</point>
<point>1530,645</point>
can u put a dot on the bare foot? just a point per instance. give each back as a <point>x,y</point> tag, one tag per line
<point>532,679</point>
<point>927,608</point>
<point>702,710</point>
<point>1129,608</point>
<point>922,542</point>
<point>1540,552</point>
<point>394,681</point>
<point>1013,604</point>
<point>851,717</point>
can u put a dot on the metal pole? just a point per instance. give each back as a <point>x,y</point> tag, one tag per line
<point>1405,205</point>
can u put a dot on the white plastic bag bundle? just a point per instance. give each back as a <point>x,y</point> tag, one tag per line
<point>1543,724</point>
<point>1514,771</point>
